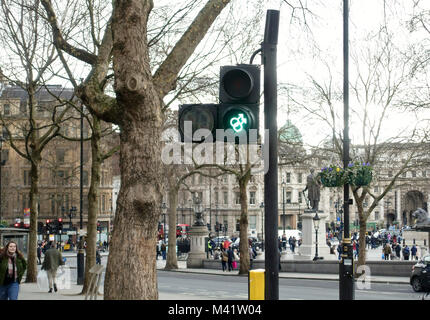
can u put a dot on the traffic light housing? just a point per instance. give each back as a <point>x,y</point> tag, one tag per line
<point>193,117</point>
<point>60,224</point>
<point>236,115</point>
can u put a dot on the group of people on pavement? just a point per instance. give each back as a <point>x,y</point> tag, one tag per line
<point>292,242</point>
<point>392,252</point>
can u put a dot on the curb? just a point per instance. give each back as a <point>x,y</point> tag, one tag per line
<point>291,276</point>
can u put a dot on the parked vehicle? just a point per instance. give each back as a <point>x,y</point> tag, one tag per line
<point>219,240</point>
<point>420,275</point>
<point>255,243</point>
<point>290,233</point>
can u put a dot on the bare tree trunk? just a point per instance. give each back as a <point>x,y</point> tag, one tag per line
<point>32,243</point>
<point>172,261</point>
<point>130,273</point>
<point>362,241</point>
<point>93,196</point>
<point>243,245</point>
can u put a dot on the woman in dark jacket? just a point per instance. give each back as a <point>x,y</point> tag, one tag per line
<point>12,268</point>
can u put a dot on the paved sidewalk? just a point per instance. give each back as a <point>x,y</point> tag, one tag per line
<point>30,291</point>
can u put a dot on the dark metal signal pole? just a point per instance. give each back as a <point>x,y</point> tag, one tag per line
<point>269,50</point>
<point>346,266</point>
<point>81,255</point>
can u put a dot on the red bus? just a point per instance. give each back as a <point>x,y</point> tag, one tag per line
<point>182,230</point>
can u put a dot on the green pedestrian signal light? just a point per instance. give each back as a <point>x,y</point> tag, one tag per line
<point>238,122</point>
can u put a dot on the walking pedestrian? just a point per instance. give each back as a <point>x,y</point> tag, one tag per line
<point>397,249</point>
<point>406,253</point>
<point>293,244</point>
<point>39,253</point>
<point>339,251</point>
<point>53,259</point>
<point>163,250</point>
<point>224,259</point>
<point>230,260</point>
<point>12,268</point>
<point>386,251</point>
<point>98,256</point>
<point>251,256</point>
<point>414,252</point>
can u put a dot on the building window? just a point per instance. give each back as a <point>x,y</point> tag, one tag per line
<point>414,174</point>
<point>300,177</point>
<point>225,179</point>
<point>424,173</point>
<point>85,178</point>
<point>216,197</point>
<point>288,194</point>
<point>288,177</point>
<point>237,197</point>
<point>376,215</point>
<point>200,179</point>
<point>404,174</point>
<point>376,189</point>
<point>6,109</point>
<point>60,153</point>
<point>252,197</point>
<point>390,173</point>
<point>252,222</point>
<point>300,197</point>
<point>225,197</point>
<point>23,107</point>
<point>27,178</point>
<point>5,155</point>
<point>103,204</point>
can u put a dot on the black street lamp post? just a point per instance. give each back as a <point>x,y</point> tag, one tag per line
<point>283,207</point>
<point>2,163</point>
<point>316,220</point>
<point>163,209</point>
<point>81,255</point>
<point>346,268</point>
<point>198,211</point>
<point>262,226</point>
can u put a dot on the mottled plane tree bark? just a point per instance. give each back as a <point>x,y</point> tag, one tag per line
<point>137,110</point>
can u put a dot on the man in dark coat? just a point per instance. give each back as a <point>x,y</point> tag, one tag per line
<point>230,258</point>
<point>53,259</point>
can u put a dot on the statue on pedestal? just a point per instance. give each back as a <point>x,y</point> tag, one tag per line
<point>423,220</point>
<point>313,186</point>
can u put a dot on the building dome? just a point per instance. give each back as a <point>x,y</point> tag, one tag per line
<point>289,133</point>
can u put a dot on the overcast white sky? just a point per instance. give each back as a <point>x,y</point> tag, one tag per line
<point>301,52</point>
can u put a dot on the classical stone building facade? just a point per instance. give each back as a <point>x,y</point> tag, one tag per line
<point>59,181</point>
<point>221,196</point>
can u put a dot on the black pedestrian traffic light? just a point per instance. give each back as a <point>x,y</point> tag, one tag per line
<point>239,94</point>
<point>237,115</point>
<point>198,122</point>
<point>60,224</point>
<point>40,227</point>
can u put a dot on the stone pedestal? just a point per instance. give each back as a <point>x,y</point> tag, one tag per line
<point>198,244</point>
<point>307,249</point>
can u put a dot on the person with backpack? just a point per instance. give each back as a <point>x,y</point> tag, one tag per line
<point>406,253</point>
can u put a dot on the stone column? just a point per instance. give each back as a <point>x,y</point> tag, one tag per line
<point>307,249</point>
<point>399,211</point>
<point>198,244</point>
